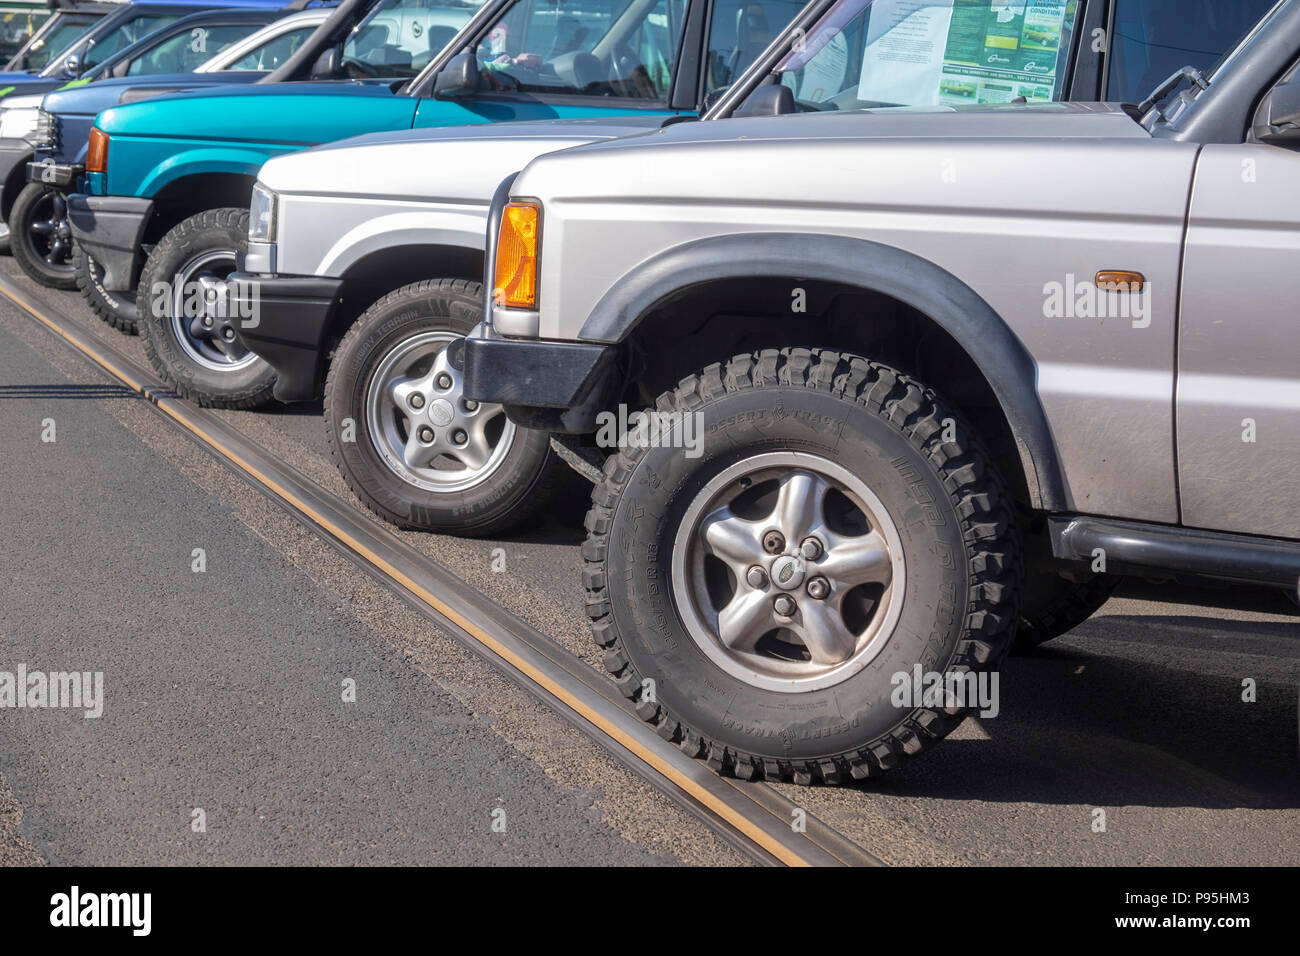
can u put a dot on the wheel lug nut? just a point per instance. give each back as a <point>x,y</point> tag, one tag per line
<point>417,400</point>
<point>819,588</point>
<point>444,381</point>
<point>784,605</point>
<point>207,321</point>
<point>228,335</point>
<point>756,577</point>
<point>459,437</point>
<point>811,548</point>
<point>773,542</point>
<point>426,435</point>
<point>471,405</point>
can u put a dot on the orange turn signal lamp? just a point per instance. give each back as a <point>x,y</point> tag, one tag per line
<point>97,153</point>
<point>515,281</point>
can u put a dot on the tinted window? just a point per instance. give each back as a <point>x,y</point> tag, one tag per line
<point>738,32</point>
<point>190,49</point>
<point>61,36</point>
<point>17,27</point>
<point>932,53</point>
<point>623,48</point>
<point>399,37</point>
<point>273,52</point>
<point>1156,38</point>
<point>122,36</point>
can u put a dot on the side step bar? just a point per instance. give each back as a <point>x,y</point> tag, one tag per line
<point>1134,546</point>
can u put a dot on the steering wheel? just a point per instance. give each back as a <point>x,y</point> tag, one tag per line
<point>623,62</point>
<point>358,69</point>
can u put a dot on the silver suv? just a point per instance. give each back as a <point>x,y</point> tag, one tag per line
<point>879,385</point>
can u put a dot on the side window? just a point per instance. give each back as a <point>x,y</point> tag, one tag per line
<point>122,37</point>
<point>189,49</point>
<point>399,37</point>
<point>739,30</point>
<point>624,48</point>
<point>932,53</point>
<point>1155,38</point>
<point>273,52</point>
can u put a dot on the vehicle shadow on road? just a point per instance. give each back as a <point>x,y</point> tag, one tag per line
<point>1134,710</point>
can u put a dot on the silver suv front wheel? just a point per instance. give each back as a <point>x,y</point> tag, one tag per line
<point>783,599</point>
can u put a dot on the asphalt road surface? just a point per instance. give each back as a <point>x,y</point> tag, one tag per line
<point>223,688</point>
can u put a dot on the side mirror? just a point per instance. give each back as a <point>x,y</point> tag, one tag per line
<point>775,99</point>
<point>1278,118</point>
<point>458,78</point>
<point>327,64</point>
<point>72,66</point>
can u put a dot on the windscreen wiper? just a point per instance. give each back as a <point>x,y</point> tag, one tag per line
<point>1165,88</point>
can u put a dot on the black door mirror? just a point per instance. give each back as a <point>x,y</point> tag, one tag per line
<point>774,99</point>
<point>458,78</point>
<point>327,64</point>
<point>1278,118</point>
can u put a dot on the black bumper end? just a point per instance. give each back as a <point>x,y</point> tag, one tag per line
<point>62,175</point>
<point>110,229</point>
<point>554,386</point>
<point>290,318</point>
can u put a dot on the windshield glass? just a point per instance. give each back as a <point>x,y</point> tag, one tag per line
<point>17,27</point>
<point>189,49</point>
<point>890,53</point>
<point>399,37</point>
<point>1156,38</point>
<point>600,48</point>
<point>61,36</point>
<point>272,53</point>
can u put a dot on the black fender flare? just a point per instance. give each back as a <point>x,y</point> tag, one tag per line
<point>1006,364</point>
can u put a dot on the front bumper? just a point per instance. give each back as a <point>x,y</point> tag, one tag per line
<point>63,175</point>
<point>110,229</point>
<point>554,386</point>
<point>290,318</point>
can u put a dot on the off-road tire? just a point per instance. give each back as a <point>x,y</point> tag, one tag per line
<point>118,309</point>
<point>887,429</point>
<point>523,486</point>
<point>246,388</point>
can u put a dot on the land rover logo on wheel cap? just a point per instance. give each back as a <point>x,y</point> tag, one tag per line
<point>787,572</point>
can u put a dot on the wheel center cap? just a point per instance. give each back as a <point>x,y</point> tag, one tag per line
<point>787,572</point>
<point>441,412</point>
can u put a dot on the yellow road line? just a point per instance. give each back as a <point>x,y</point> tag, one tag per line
<point>736,819</point>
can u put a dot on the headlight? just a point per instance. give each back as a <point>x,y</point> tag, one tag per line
<point>515,283</point>
<point>18,123</point>
<point>46,135</point>
<point>261,215</point>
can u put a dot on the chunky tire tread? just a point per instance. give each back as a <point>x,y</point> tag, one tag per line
<point>554,477</point>
<point>127,324</point>
<point>1074,603</point>
<point>256,395</point>
<point>918,414</point>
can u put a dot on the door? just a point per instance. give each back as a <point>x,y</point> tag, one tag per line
<point>1238,405</point>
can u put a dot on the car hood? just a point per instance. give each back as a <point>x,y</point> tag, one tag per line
<point>90,98</point>
<point>294,113</point>
<point>463,163</point>
<point>1037,121</point>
